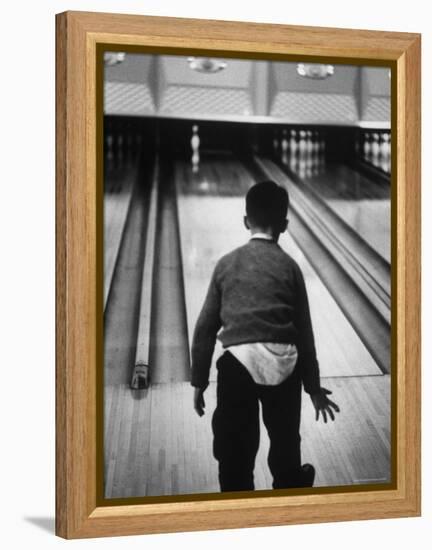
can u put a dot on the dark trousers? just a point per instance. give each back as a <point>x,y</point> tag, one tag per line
<point>235,426</point>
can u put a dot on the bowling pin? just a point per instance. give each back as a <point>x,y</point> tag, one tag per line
<point>315,162</point>
<point>366,146</point>
<point>293,143</point>
<point>293,163</point>
<point>302,167</point>
<point>309,142</point>
<point>385,145</point>
<point>385,164</point>
<point>302,146</point>
<point>375,147</point>
<point>284,142</point>
<point>309,165</point>
<point>195,143</point>
<point>109,147</point>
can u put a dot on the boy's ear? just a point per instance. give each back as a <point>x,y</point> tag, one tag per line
<point>246,222</point>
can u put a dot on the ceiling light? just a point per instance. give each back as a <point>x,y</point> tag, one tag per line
<point>316,71</point>
<point>113,58</point>
<point>206,64</point>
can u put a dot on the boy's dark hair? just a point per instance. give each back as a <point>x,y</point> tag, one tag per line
<point>267,204</point>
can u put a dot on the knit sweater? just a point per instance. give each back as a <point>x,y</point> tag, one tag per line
<point>256,294</point>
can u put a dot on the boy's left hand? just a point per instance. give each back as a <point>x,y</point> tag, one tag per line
<point>199,403</point>
<point>323,404</point>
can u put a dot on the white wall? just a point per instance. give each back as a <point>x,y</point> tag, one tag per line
<point>27,271</point>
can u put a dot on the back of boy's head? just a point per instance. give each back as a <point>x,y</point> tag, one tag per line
<point>266,204</point>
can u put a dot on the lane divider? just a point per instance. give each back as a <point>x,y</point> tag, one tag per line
<point>141,372</point>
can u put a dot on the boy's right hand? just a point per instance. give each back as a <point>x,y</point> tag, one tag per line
<point>199,403</point>
<point>323,404</point>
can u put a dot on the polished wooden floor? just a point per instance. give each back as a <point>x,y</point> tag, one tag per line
<point>155,444</point>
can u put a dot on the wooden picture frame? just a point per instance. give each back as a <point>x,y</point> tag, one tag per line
<point>78,325</point>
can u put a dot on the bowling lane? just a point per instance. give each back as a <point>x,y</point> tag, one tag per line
<point>119,182</point>
<point>121,313</point>
<point>210,225</point>
<point>169,353</point>
<point>362,203</point>
<point>211,209</point>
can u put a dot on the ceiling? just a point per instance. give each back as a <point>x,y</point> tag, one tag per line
<point>261,91</point>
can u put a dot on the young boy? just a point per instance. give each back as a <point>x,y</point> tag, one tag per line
<point>257,296</point>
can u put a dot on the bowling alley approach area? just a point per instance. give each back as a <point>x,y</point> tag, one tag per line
<point>184,140</point>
